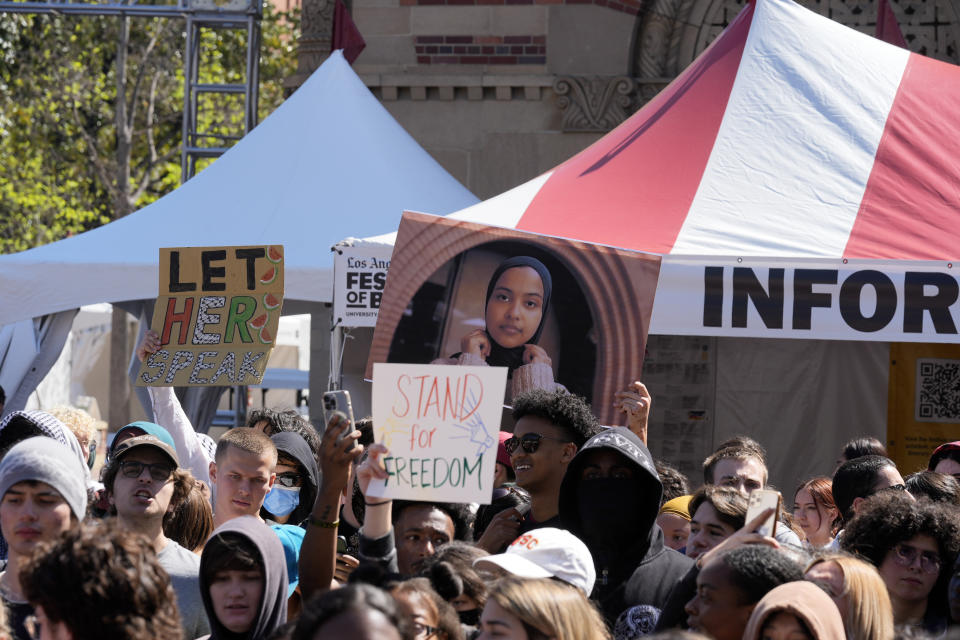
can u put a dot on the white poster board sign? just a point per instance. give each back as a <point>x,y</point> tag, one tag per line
<point>359,275</point>
<point>440,423</point>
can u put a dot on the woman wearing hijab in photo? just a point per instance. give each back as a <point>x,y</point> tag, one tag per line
<point>518,297</point>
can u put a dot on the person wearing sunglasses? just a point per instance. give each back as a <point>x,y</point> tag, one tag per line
<point>44,494</point>
<point>291,498</point>
<point>913,544</point>
<point>859,479</point>
<point>144,482</point>
<point>550,427</point>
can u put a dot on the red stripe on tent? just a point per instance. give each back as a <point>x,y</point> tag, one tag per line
<point>648,168</point>
<point>911,206</point>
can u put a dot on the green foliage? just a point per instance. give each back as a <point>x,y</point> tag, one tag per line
<point>65,164</point>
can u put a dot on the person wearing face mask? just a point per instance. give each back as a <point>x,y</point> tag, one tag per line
<point>291,498</point>
<point>610,498</point>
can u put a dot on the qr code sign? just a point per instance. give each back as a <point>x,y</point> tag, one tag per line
<point>938,390</point>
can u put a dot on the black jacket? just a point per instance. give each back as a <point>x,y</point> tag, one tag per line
<point>633,566</point>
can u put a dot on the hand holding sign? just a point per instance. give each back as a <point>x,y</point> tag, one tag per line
<point>439,423</point>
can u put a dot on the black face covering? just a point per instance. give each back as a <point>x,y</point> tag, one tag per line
<point>612,511</point>
<point>470,618</point>
<point>512,358</point>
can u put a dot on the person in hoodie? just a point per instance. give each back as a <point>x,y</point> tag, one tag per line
<point>243,580</point>
<point>291,498</point>
<point>610,498</point>
<point>793,611</point>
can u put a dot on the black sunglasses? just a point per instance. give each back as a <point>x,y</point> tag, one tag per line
<point>529,441</point>
<point>159,471</point>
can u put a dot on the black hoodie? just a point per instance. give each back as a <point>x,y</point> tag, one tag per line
<point>294,446</point>
<point>616,518</point>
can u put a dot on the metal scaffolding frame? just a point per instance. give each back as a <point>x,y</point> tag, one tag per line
<point>199,15</point>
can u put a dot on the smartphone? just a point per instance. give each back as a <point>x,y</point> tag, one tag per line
<point>334,401</point>
<point>341,544</point>
<point>761,500</point>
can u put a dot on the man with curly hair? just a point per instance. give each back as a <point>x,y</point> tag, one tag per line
<point>144,482</point>
<point>913,544</point>
<point>124,593</point>
<point>551,426</point>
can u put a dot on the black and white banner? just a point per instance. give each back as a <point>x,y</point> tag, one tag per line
<point>359,275</point>
<point>897,301</point>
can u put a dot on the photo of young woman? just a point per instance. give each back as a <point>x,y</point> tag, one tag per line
<point>517,300</point>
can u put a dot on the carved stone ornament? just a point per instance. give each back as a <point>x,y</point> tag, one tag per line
<point>594,103</point>
<point>316,33</point>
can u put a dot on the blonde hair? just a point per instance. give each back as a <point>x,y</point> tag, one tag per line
<point>553,608</point>
<point>81,424</point>
<point>869,613</point>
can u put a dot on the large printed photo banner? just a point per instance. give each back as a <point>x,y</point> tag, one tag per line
<point>217,315</point>
<point>440,424</point>
<point>895,301</point>
<point>556,313</point>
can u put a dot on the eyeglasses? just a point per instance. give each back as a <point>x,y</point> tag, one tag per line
<point>905,555</point>
<point>290,479</point>
<point>529,441</point>
<point>424,631</point>
<point>159,471</point>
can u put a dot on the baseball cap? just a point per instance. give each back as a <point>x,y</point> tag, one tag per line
<point>547,553</point>
<point>146,441</point>
<point>502,456</point>
<point>148,428</point>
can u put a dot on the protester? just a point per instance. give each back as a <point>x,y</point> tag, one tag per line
<point>356,611</point>
<point>532,608</point>
<point>935,486</point>
<point>431,616</point>
<point>743,467</point>
<point>815,511</point>
<point>731,585</point>
<point>946,459</point>
<point>913,544</point>
<point>243,579</point>
<point>20,425</point>
<point>452,575</point>
<point>190,523</point>
<point>42,494</point>
<point>274,421</point>
<point>505,498</point>
<point>546,553</point>
<point>858,592</point>
<point>610,498</point>
<point>84,428</point>
<point>674,521</point>
<point>860,478</point>
<point>291,498</point>
<point>717,512</point>
<point>144,483</point>
<point>515,310</point>
<point>635,402</point>
<point>242,473</point>
<point>99,580</point>
<point>793,611</point>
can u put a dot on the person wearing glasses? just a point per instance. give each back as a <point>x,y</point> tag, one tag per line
<point>291,498</point>
<point>913,544</point>
<point>144,482</point>
<point>551,426</point>
<point>44,493</point>
<point>858,479</point>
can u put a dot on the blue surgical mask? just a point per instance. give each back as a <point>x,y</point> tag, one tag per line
<point>281,501</point>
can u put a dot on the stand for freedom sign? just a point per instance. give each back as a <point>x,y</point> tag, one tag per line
<point>217,315</point>
<point>440,423</point>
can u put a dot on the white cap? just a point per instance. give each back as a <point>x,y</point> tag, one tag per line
<point>548,553</point>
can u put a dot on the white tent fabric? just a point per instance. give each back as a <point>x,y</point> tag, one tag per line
<point>330,162</point>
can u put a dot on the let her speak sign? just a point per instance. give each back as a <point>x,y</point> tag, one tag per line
<point>440,424</point>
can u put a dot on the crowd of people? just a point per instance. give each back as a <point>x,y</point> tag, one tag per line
<point>270,533</point>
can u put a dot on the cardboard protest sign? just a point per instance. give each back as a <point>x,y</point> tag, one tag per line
<point>440,424</point>
<point>217,316</point>
<point>359,275</point>
<point>557,313</point>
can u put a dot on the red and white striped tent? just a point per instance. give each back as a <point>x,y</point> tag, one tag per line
<point>792,144</point>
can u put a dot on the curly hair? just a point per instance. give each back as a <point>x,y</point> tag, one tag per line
<point>451,573</point>
<point>756,569</point>
<point>286,420</point>
<point>350,598</point>
<point>675,483</point>
<point>114,574</point>
<point>183,482</point>
<point>889,518</point>
<point>569,412</point>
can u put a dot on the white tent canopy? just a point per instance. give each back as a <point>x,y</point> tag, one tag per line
<point>329,163</point>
